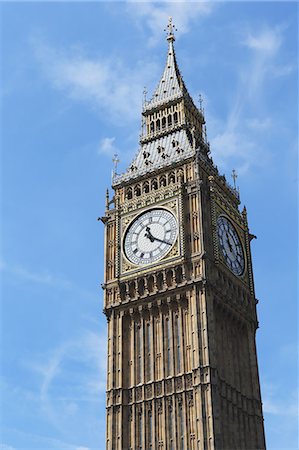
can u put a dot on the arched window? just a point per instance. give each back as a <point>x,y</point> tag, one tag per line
<point>146,187</point>
<point>158,125</point>
<point>152,127</point>
<point>137,190</point>
<point>169,278</point>
<point>171,178</point>
<point>154,184</point>
<point>163,123</point>
<point>163,180</point>
<point>169,120</point>
<point>175,117</point>
<point>129,193</point>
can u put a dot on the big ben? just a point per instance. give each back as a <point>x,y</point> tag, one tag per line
<point>179,296</point>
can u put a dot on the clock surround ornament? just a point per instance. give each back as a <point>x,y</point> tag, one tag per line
<point>150,236</point>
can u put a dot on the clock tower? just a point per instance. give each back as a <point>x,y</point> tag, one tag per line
<point>179,297</point>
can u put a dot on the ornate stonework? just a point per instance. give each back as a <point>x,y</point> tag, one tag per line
<point>182,367</point>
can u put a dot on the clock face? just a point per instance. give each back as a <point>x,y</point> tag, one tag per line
<point>230,245</point>
<point>150,236</point>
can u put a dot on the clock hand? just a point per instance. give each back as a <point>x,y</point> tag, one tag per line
<point>152,238</point>
<point>149,235</point>
<point>160,240</point>
<point>228,242</point>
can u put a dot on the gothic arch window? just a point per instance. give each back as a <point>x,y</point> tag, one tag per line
<point>163,180</point>
<point>178,275</point>
<point>163,123</point>
<point>171,178</point>
<point>169,120</point>
<point>158,125</point>
<point>146,187</point>
<point>160,280</point>
<point>129,193</point>
<point>141,286</point>
<point>169,278</point>
<point>152,126</point>
<point>123,290</point>
<point>175,117</point>
<point>137,190</point>
<point>154,184</point>
<point>150,283</point>
<point>132,289</point>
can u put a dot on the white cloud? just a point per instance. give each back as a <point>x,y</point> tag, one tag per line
<point>107,146</point>
<point>156,15</point>
<point>259,124</point>
<point>6,447</point>
<point>87,352</point>
<point>108,85</point>
<point>274,404</point>
<point>266,41</point>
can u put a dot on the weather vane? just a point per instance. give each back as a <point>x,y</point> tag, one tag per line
<point>170,30</point>
<point>234,177</point>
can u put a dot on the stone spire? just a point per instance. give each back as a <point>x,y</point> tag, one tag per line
<point>171,85</point>
<point>172,128</point>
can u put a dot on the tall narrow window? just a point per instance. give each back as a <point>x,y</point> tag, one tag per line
<point>140,430</point>
<point>170,428</point>
<point>181,426</point>
<point>168,346</point>
<point>150,429</point>
<point>138,353</point>
<point>148,352</point>
<point>178,344</point>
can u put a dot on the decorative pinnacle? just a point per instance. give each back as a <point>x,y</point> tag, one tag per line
<point>200,99</point>
<point>170,30</point>
<point>234,177</point>
<point>115,161</point>
<point>144,95</point>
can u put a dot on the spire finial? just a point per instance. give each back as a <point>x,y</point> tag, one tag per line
<point>115,161</point>
<point>234,177</point>
<point>144,95</point>
<point>170,30</point>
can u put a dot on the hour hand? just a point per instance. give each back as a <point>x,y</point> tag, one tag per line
<point>149,235</point>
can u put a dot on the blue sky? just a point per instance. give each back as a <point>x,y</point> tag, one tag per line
<point>72,76</point>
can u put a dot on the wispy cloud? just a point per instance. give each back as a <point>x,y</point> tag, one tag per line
<point>6,447</point>
<point>273,403</point>
<point>156,14</point>
<point>87,384</point>
<point>238,139</point>
<point>107,146</point>
<point>107,84</point>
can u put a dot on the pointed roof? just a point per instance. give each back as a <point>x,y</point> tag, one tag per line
<point>164,151</point>
<point>171,85</point>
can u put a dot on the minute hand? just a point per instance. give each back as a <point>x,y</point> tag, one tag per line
<point>161,240</point>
